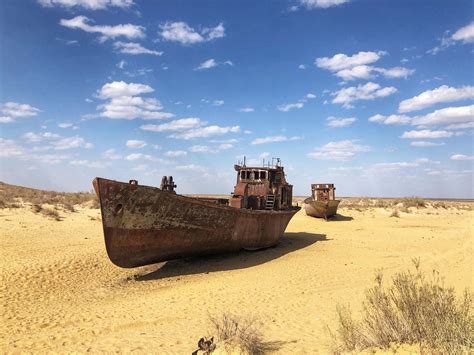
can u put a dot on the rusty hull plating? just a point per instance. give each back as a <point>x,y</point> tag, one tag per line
<point>145,225</point>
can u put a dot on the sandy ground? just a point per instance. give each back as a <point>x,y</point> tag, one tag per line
<point>60,293</point>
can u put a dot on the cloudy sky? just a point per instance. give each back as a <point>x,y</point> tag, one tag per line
<point>376,96</point>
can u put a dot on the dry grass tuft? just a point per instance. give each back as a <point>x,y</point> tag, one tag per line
<point>413,310</point>
<point>395,213</point>
<point>49,212</point>
<point>412,202</point>
<point>242,333</point>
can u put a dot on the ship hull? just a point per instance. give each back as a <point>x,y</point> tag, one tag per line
<point>320,209</point>
<point>145,225</point>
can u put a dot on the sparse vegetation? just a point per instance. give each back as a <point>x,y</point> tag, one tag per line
<point>51,213</point>
<point>12,196</point>
<point>417,202</point>
<point>413,309</point>
<point>234,332</point>
<point>395,213</point>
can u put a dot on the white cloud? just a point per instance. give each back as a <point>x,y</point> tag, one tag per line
<point>462,157</point>
<point>246,109</point>
<point>140,156</point>
<point>124,104</point>
<point>426,134</point>
<point>442,94</point>
<point>192,167</point>
<point>339,150</point>
<point>288,107</point>
<point>302,66</point>
<point>390,120</point>
<point>71,143</point>
<point>335,122</point>
<point>181,32</point>
<point>464,34</point>
<point>368,91</point>
<point>121,64</point>
<point>83,23</point>
<point>342,61</point>
<point>121,88</point>
<point>65,125</point>
<point>208,64</point>
<point>111,154</point>
<point>204,132</point>
<point>218,103</point>
<point>176,125</point>
<point>310,96</point>
<point>445,116</point>
<point>87,163</point>
<point>425,144</point>
<point>395,165</point>
<point>229,62</point>
<point>134,48</point>
<point>201,149</point>
<point>323,4</point>
<point>87,4</point>
<point>13,110</point>
<point>175,153</point>
<point>274,139</point>
<point>32,137</point>
<point>225,146</point>
<point>132,143</point>
<point>356,66</point>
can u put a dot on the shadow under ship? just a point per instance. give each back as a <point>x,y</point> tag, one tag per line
<point>322,203</point>
<point>145,225</point>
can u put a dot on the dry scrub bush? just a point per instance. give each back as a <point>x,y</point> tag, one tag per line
<point>48,212</point>
<point>412,202</point>
<point>411,310</point>
<point>395,214</point>
<point>242,333</point>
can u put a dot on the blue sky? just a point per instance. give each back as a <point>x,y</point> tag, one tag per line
<point>375,96</point>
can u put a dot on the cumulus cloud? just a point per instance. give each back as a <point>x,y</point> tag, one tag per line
<point>335,122</point>
<point>368,91</point>
<point>124,102</point>
<point>390,120</point>
<point>56,141</point>
<point>442,94</point>
<point>13,110</point>
<point>212,63</point>
<point>183,33</point>
<point>111,154</point>
<point>462,157</point>
<point>176,125</point>
<point>133,143</point>
<point>175,153</point>
<point>218,102</point>
<point>83,23</point>
<point>201,149</point>
<point>340,150</point>
<point>246,109</point>
<point>134,49</point>
<point>289,107</point>
<point>274,139</point>
<point>87,4</point>
<point>426,134</point>
<point>356,66</point>
<point>320,4</point>
<point>191,167</point>
<point>204,132</point>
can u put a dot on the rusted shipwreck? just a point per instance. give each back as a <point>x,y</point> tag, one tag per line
<point>322,203</point>
<point>145,225</point>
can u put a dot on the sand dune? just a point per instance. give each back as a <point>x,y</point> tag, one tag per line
<point>60,293</point>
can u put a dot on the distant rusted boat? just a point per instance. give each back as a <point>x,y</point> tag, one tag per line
<point>145,225</point>
<point>322,203</point>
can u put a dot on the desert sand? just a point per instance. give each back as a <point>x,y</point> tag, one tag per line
<point>60,292</point>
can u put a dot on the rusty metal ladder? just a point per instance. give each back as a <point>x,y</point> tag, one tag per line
<point>270,202</point>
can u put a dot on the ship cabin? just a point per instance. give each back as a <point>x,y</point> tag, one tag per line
<point>323,192</point>
<point>261,188</point>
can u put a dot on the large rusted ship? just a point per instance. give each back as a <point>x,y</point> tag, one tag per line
<point>322,203</point>
<point>145,225</point>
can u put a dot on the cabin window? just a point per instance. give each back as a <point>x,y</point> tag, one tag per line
<point>247,175</point>
<point>263,175</point>
<point>242,174</point>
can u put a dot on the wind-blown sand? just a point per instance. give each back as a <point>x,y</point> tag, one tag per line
<point>60,292</point>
